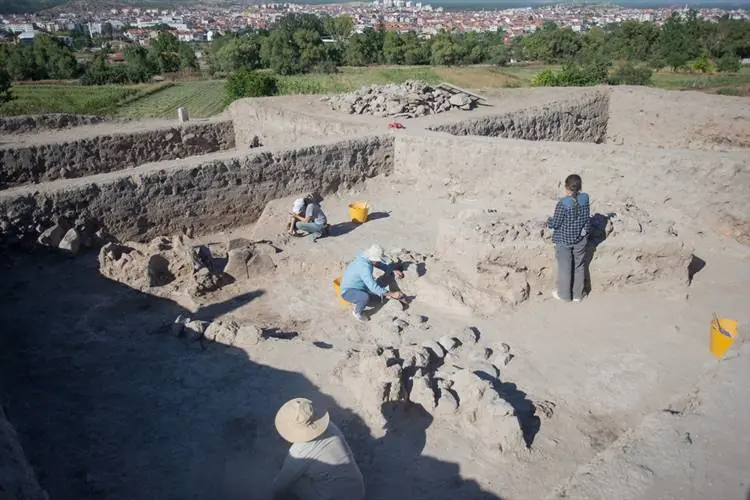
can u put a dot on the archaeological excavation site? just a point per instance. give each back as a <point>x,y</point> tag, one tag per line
<point>157,313</point>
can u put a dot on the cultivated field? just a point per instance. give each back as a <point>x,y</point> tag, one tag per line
<point>204,98</point>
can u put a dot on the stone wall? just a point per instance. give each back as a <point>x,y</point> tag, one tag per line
<point>581,120</point>
<point>17,479</point>
<point>34,123</point>
<point>43,162</point>
<point>204,196</point>
<point>277,125</point>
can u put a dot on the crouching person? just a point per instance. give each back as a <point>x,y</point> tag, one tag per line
<point>358,285</point>
<point>307,216</point>
<point>320,465</point>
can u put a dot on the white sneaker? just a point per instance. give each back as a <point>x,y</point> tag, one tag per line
<point>577,300</point>
<point>555,295</point>
<point>358,316</point>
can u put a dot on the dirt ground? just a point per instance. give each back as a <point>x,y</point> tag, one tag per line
<point>617,396</point>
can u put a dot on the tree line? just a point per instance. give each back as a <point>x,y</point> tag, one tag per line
<point>48,58</point>
<point>302,43</point>
<point>297,44</point>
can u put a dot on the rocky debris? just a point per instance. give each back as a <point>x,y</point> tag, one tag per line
<point>251,259</point>
<point>163,263</point>
<point>195,329</point>
<point>434,349</point>
<point>468,336</point>
<point>503,356</point>
<point>410,99</point>
<point>488,261</point>
<point>444,380</point>
<point>488,415</point>
<point>449,343</point>
<point>224,331</point>
<point>52,236</point>
<point>375,377</point>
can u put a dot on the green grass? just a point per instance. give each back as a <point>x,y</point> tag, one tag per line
<point>95,100</point>
<point>687,81</point>
<point>201,98</point>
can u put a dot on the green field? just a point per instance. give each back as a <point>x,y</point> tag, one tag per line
<point>72,98</point>
<point>205,98</point>
<point>201,98</point>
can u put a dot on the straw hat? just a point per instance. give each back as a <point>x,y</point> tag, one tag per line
<point>375,253</point>
<point>298,422</point>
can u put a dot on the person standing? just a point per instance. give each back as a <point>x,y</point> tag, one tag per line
<point>358,284</point>
<point>320,465</point>
<point>570,225</point>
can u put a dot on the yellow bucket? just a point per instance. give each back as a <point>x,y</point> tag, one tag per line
<point>359,211</point>
<point>720,342</point>
<point>337,289</point>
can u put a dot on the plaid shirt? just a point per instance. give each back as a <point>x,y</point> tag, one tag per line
<point>571,220</point>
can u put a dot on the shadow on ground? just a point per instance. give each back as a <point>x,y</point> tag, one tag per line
<point>343,228</point>
<point>109,404</point>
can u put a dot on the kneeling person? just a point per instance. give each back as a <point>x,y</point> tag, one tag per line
<point>358,284</point>
<point>314,220</point>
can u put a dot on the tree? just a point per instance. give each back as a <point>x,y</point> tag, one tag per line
<point>393,48</point>
<point>443,50</point>
<point>5,84</point>
<point>232,53</point>
<point>729,63</point>
<point>340,28</point>
<point>498,55</point>
<point>295,45</point>
<point>187,57</point>
<point>676,45</point>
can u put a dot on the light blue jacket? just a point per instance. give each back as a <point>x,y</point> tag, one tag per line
<point>358,276</point>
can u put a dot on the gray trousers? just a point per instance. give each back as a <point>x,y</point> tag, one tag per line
<point>571,269</point>
<point>311,228</point>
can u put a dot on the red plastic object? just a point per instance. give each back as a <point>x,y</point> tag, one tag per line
<point>395,125</point>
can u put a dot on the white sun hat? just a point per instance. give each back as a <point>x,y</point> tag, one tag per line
<point>298,421</point>
<point>375,253</point>
<point>299,204</point>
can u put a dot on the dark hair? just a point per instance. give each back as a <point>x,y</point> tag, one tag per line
<point>573,183</point>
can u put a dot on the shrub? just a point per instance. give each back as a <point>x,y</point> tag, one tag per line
<point>573,75</point>
<point>729,91</point>
<point>250,83</point>
<point>546,78</point>
<point>628,74</point>
<point>5,83</point>
<point>728,63</point>
<point>703,63</point>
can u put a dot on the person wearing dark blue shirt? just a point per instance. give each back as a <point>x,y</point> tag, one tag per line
<point>570,226</point>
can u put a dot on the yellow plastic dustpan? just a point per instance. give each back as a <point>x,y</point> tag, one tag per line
<point>723,333</point>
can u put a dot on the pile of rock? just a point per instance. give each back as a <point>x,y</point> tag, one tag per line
<point>226,332</point>
<point>171,263</point>
<point>453,377</point>
<point>72,237</point>
<point>407,100</point>
<point>167,265</point>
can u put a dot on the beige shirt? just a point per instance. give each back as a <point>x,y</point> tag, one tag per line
<point>323,469</point>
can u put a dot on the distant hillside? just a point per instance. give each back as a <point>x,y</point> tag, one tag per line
<point>21,6</point>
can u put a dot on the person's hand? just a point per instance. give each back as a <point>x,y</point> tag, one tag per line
<point>399,273</point>
<point>394,295</point>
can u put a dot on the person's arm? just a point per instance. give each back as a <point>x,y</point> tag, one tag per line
<point>290,472</point>
<point>386,268</point>
<point>555,222</point>
<point>372,285</point>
